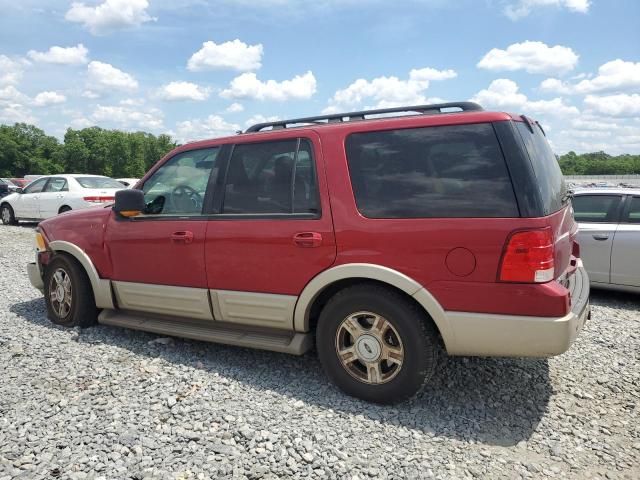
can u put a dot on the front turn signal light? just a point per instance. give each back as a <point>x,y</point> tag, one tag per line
<point>41,244</point>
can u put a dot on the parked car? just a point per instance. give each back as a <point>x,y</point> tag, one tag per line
<point>53,194</point>
<point>11,186</point>
<point>4,188</point>
<point>20,182</point>
<point>386,240</point>
<point>128,182</point>
<point>609,236</point>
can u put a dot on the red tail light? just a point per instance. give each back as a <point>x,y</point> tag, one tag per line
<point>99,199</point>
<point>528,257</point>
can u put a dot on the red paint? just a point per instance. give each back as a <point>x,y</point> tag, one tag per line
<point>456,259</point>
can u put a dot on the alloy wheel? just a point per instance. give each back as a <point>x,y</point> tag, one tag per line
<point>369,348</point>
<point>60,293</point>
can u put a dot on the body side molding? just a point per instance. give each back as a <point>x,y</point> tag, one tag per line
<point>101,287</point>
<point>372,272</point>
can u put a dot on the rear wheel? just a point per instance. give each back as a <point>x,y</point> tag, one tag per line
<point>6,213</point>
<point>376,344</point>
<point>68,294</point>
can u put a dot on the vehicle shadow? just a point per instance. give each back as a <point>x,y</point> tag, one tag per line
<point>487,400</point>
<point>605,298</point>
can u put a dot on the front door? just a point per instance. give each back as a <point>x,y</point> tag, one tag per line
<point>272,230</point>
<point>27,205</point>
<point>158,257</point>
<point>597,217</point>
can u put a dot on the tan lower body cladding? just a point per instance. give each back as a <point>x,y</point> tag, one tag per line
<point>240,308</point>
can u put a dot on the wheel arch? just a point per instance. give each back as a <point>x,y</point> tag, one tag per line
<point>64,207</point>
<point>101,287</point>
<point>324,285</point>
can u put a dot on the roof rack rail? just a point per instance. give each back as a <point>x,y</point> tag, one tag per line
<point>361,115</point>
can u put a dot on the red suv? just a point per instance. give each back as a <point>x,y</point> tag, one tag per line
<point>387,239</point>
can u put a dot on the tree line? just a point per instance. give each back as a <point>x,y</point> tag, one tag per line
<point>26,149</point>
<point>599,163</point>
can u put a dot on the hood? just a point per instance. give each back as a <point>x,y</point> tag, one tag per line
<point>77,225</point>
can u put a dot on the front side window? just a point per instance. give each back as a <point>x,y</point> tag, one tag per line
<point>271,178</point>
<point>56,185</point>
<point>36,187</point>
<point>634,211</point>
<point>179,186</point>
<point>595,208</point>
<point>444,171</point>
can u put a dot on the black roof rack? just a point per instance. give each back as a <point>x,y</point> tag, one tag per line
<point>361,115</point>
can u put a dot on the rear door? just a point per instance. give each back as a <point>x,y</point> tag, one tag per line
<point>597,216</point>
<point>52,197</point>
<point>625,256</point>
<point>271,232</point>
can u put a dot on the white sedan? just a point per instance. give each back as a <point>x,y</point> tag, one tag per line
<point>53,194</point>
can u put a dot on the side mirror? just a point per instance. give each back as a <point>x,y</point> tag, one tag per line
<point>19,190</point>
<point>129,203</point>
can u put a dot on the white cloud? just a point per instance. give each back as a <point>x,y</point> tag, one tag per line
<point>532,57</point>
<point>234,55</point>
<point>11,95</point>
<point>521,8</point>
<point>248,85</point>
<point>110,15</point>
<point>106,76</point>
<point>44,99</point>
<point>198,129</point>
<point>61,55</point>
<point>388,91</point>
<point>90,94</point>
<point>504,94</point>
<point>132,102</point>
<point>128,118</point>
<point>16,113</point>
<point>621,105</point>
<point>183,91</point>
<point>234,108</point>
<point>258,118</point>
<point>10,70</point>
<point>614,76</point>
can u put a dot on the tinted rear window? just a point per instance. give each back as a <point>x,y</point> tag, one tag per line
<point>446,171</point>
<point>98,182</point>
<point>546,168</point>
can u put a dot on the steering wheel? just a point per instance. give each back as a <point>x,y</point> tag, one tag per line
<point>186,199</point>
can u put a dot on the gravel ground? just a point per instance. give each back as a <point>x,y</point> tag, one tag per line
<point>110,403</point>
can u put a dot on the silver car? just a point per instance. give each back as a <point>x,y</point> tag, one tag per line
<point>609,236</point>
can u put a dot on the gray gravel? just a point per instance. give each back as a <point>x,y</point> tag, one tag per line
<point>110,403</point>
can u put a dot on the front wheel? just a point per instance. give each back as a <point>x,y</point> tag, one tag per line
<point>376,344</point>
<point>7,215</point>
<point>68,294</point>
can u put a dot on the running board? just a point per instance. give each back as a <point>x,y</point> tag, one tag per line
<point>208,331</point>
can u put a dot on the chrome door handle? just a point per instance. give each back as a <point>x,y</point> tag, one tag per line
<point>600,237</point>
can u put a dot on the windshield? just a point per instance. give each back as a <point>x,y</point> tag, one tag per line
<point>99,182</point>
<point>8,182</point>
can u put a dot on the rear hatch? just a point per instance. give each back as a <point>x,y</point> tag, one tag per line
<point>555,197</point>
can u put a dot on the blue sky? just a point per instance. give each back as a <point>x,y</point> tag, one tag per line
<point>198,69</point>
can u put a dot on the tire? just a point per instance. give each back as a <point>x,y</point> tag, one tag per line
<point>406,334</point>
<point>63,275</point>
<point>6,213</point>
<point>63,209</point>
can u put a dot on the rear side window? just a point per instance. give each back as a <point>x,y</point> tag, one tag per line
<point>595,208</point>
<point>271,178</point>
<point>634,211</point>
<point>446,171</point>
<point>546,168</point>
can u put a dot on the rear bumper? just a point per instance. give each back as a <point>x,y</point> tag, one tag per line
<point>35,277</point>
<point>481,334</point>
